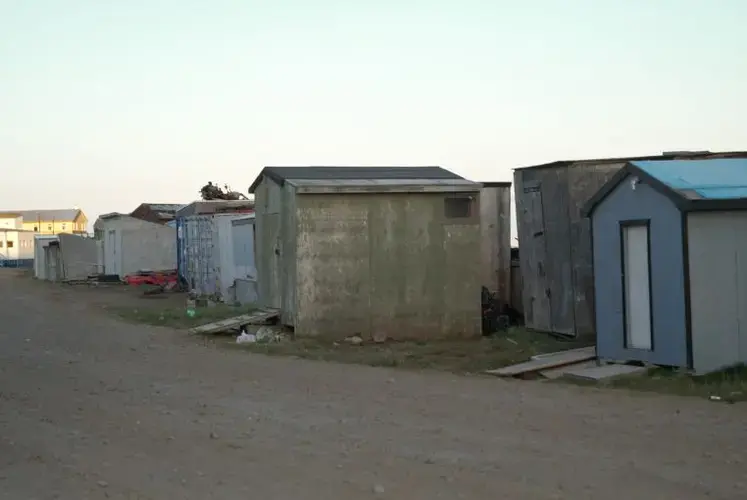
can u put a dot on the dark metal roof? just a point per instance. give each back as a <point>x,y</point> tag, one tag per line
<point>281,174</point>
<point>683,182</point>
<point>164,207</point>
<point>206,207</point>
<point>667,155</point>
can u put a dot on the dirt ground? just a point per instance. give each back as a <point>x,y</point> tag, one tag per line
<point>92,407</point>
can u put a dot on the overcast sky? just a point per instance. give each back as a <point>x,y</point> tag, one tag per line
<point>105,104</point>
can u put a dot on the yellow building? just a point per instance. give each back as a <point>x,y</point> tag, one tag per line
<point>71,220</point>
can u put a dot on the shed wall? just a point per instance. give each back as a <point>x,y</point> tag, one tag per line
<point>495,228</point>
<point>288,254</point>
<point>78,255</point>
<point>386,264</point>
<point>717,249</point>
<point>40,264</point>
<point>111,235</point>
<point>270,243</point>
<point>152,247</point>
<point>555,243</point>
<point>667,275</point>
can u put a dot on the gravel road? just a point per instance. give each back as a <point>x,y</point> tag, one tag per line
<point>94,408</point>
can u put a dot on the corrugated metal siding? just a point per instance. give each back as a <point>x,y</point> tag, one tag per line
<point>205,249</point>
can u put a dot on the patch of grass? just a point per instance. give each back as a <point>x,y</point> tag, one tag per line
<point>729,385</point>
<point>176,317</point>
<point>458,356</point>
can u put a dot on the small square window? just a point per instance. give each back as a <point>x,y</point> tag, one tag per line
<point>64,226</point>
<point>10,244</point>
<point>458,207</point>
<point>36,229</point>
<point>49,227</point>
<point>1,244</point>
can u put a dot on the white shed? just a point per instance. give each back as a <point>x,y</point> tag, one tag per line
<point>41,242</point>
<point>131,245</point>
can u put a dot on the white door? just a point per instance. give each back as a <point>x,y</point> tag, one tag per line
<point>637,279</point>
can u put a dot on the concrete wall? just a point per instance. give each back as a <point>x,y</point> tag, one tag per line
<point>79,256</point>
<point>111,235</point>
<point>386,264</point>
<point>495,227</point>
<point>717,249</point>
<point>151,247</point>
<point>667,275</point>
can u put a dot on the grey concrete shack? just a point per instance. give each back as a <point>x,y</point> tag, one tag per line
<point>555,239</point>
<point>375,251</point>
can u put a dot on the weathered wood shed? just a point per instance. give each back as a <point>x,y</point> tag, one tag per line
<point>375,251</point>
<point>555,239</point>
<point>670,263</point>
<point>495,224</point>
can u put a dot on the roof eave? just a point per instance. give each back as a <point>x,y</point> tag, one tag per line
<point>711,205</point>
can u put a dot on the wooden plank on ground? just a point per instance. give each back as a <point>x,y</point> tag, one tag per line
<point>588,350</point>
<point>604,372</point>
<point>235,322</point>
<point>561,371</point>
<point>535,365</point>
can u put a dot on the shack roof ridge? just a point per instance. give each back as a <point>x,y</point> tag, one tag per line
<point>281,174</point>
<point>666,155</point>
<point>678,195</point>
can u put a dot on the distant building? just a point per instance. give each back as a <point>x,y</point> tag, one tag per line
<point>16,247</point>
<point>158,213</point>
<point>71,220</point>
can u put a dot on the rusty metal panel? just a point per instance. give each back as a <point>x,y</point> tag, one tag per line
<point>532,250</point>
<point>558,263</point>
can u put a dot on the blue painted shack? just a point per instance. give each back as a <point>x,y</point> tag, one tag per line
<point>669,246</point>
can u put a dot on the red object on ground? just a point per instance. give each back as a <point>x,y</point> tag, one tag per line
<point>161,278</point>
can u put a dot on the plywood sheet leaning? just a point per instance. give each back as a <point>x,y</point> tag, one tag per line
<point>254,318</point>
